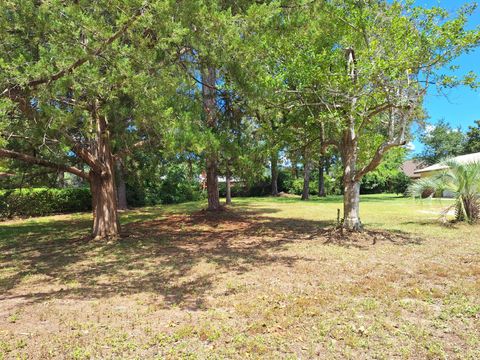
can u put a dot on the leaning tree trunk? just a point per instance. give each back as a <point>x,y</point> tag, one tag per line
<point>102,184</point>
<point>274,172</point>
<point>321,178</point>
<point>210,112</point>
<point>351,185</point>
<point>228,186</point>
<point>306,181</point>
<point>121,186</point>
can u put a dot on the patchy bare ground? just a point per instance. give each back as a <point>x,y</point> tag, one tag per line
<point>245,283</point>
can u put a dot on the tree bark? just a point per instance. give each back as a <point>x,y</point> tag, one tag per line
<point>209,108</point>
<point>102,184</point>
<point>104,205</point>
<point>351,206</point>
<point>306,180</point>
<point>351,184</point>
<point>212,184</point>
<point>121,185</point>
<point>190,169</point>
<point>228,197</point>
<point>321,178</point>
<point>274,172</point>
<point>61,179</point>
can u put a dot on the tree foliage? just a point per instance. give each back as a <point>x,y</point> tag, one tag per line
<point>472,143</point>
<point>441,141</point>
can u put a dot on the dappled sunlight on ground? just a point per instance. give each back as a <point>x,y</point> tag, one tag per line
<point>268,277</point>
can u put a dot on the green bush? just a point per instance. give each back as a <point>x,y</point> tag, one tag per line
<point>400,183</point>
<point>261,187</point>
<point>43,201</point>
<point>375,183</point>
<point>173,192</point>
<point>297,186</point>
<point>285,179</point>
<point>171,188</point>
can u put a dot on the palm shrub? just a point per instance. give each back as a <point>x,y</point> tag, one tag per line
<point>462,180</point>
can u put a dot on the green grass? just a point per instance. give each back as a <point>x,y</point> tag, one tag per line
<point>386,211</point>
<point>269,278</point>
<point>379,211</point>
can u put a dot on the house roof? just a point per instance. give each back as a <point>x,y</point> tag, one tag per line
<point>409,167</point>
<point>462,159</point>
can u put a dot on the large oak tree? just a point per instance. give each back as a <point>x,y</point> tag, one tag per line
<point>363,68</point>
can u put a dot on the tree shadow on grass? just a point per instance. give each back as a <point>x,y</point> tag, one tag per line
<point>367,238</point>
<point>439,223</point>
<point>178,258</point>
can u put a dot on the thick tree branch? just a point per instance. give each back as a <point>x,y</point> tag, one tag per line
<point>377,158</point>
<point>327,144</point>
<point>378,109</point>
<point>84,154</point>
<point>4,153</point>
<point>120,154</point>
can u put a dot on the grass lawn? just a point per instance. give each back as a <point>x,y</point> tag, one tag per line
<point>268,278</point>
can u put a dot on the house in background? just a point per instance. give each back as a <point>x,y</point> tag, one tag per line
<point>410,166</point>
<point>202,179</point>
<point>436,168</point>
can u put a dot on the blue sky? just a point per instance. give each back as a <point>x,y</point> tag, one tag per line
<point>461,106</point>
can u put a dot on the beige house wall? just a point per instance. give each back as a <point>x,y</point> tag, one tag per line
<point>430,173</point>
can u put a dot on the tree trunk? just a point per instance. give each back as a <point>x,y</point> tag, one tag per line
<point>212,184</point>
<point>351,185</point>
<point>210,113</point>
<point>351,206</point>
<point>61,179</point>
<point>306,181</point>
<point>121,186</point>
<point>190,169</point>
<point>228,197</point>
<point>274,172</point>
<point>104,205</point>
<point>102,184</point>
<point>321,178</point>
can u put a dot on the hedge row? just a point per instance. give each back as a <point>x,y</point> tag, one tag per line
<point>43,201</point>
